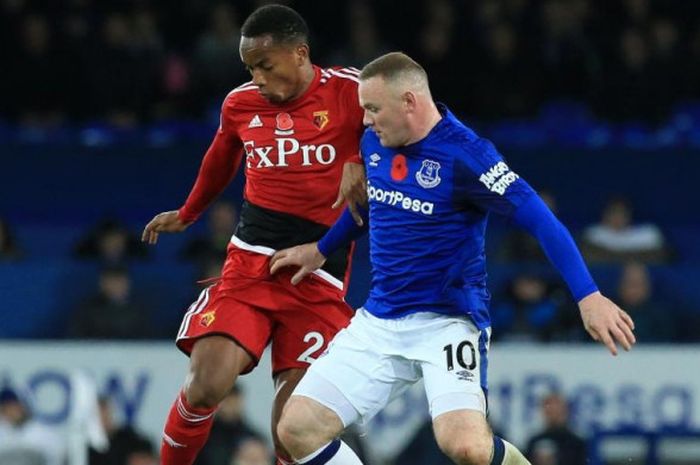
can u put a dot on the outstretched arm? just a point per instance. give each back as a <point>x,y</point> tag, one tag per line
<point>484,179</point>
<point>310,257</point>
<point>220,164</point>
<point>604,321</point>
<point>218,167</point>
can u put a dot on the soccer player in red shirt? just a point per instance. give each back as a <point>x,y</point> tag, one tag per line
<point>296,127</point>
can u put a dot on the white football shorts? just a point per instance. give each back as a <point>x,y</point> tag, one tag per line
<point>374,360</point>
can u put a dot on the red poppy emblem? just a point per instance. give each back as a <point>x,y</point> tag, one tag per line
<point>399,168</point>
<point>284,122</point>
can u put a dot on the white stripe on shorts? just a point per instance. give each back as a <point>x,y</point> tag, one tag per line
<point>195,308</point>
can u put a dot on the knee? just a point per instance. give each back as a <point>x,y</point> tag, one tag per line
<point>293,427</point>
<point>305,424</point>
<point>205,392</point>
<point>467,451</point>
<point>284,430</point>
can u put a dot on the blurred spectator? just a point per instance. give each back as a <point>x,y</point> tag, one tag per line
<point>216,65</point>
<point>652,320</point>
<point>496,95</point>
<point>637,12</point>
<point>230,431</point>
<point>436,50</point>
<point>365,43</point>
<point>111,244</point>
<point>23,440</point>
<point>39,76</point>
<point>617,239</point>
<point>121,74</point>
<point>528,311</point>
<point>556,444</point>
<point>251,451</point>
<point>519,245</point>
<point>668,65</point>
<point>145,36</point>
<point>221,223</point>
<point>112,313</point>
<point>127,62</point>
<point>126,446</point>
<point>629,88</point>
<point>570,63</point>
<point>143,453</point>
<point>9,250</point>
<point>692,60</point>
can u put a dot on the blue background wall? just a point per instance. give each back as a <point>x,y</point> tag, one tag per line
<point>53,194</point>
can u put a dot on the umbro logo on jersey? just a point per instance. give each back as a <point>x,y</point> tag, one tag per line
<point>285,124</point>
<point>374,159</point>
<point>256,122</point>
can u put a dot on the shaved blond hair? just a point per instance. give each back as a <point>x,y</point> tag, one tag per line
<point>398,69</point>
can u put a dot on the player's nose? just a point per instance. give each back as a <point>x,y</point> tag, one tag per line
<point>367,120</point>
<point>259,79</point>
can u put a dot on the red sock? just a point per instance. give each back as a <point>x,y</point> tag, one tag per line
<point>186,430</point>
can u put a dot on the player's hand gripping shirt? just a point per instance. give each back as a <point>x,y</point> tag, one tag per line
<point>293,156</point>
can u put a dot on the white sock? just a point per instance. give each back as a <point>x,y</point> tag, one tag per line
<point>513,456</point>
<point>333,453</point>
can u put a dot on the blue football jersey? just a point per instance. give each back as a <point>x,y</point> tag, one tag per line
<point>428,207</point>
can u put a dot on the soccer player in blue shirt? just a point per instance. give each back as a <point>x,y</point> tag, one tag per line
<point>431,184</point>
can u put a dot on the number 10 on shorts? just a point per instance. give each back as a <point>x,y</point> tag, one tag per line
<point>464,348</point>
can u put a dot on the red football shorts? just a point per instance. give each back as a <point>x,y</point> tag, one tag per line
<point>254,308</point>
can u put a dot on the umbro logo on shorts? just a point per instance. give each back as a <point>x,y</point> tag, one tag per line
<point>465,375</point>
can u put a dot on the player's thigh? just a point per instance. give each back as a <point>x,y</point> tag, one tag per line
<point>464,436</point>
<point>215,363</point>
<point>222,314</point>
<point>454,361</point>
<point>356,377</point>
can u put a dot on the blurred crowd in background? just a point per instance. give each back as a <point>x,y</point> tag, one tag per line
<point>529,306</point>
<point>233,441</point>
<point>130,63</point>
<point>26,441</point>
<point>126,62</point>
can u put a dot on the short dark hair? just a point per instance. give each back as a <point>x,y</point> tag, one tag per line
<point>281,22</point>
<point>391,66</point>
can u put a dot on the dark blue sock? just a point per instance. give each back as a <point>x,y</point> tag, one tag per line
<point>327,454</point>
<point>499,451</point>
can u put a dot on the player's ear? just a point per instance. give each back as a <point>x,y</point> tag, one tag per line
<point>302,53</point>
<point>409,101</point>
